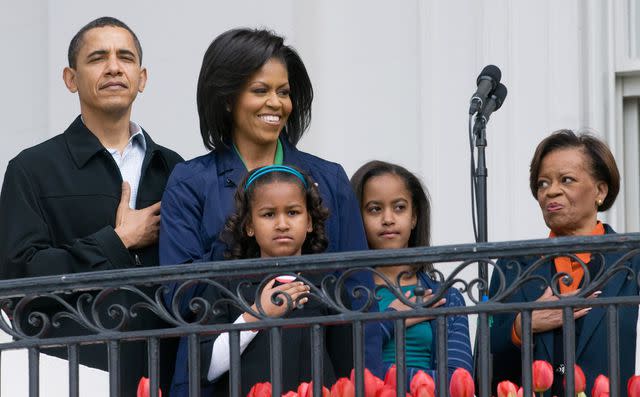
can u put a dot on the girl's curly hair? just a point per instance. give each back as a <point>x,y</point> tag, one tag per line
<point>241,246</point>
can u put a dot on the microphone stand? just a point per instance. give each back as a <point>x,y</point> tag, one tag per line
<point>482,362</point>
<point>480,132</point>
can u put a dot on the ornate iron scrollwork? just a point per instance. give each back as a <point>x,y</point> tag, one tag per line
<point>98,311</point>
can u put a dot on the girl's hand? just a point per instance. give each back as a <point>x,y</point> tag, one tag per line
<point>401,307</point>
<point>294,289</point>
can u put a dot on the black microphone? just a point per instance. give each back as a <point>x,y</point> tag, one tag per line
<point>487,82</point>
<point>494,103</point>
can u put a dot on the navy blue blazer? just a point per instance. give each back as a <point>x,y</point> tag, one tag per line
<point>591,330</point>
<point>199,198</point>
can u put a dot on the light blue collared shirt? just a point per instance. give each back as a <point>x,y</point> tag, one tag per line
<point>130,161</point>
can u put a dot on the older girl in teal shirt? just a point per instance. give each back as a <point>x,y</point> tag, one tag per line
<point>396,213</point>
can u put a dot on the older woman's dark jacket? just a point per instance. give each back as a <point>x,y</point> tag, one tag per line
<point>591,330</point>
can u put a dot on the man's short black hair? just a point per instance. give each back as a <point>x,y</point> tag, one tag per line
<point>76,42</point>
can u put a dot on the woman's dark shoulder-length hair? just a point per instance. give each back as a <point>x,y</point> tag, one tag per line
<point>241,246</point>
<point>231,59</point>
<point>421,234</point>
<point>602,164</point>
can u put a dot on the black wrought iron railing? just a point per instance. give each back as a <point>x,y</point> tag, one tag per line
<point>84,299</point>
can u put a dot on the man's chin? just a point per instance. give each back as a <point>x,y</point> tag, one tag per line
<point>115,108</point>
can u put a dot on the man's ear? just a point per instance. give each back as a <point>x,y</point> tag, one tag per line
<point>69,78</point>
<point>143,79</point>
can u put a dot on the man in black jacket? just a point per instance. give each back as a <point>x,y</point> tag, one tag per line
<point>88,199</point>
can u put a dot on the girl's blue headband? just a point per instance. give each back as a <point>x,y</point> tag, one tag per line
<point>275,168</point>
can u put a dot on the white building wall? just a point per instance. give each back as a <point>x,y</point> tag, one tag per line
<point>24,109</point>
<point>392,81</point>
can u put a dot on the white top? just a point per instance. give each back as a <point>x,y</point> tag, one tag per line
<point>220,357</point>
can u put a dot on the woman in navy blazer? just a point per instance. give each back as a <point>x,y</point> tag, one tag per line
<point>573,177</point>
<point>254,102</point>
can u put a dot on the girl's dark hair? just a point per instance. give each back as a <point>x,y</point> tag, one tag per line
<point>602,165</point>
<point>231,59</point>
<point>420,201</point>
<point>241,246</point>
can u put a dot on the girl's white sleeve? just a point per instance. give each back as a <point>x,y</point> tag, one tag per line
<point>220,357</point>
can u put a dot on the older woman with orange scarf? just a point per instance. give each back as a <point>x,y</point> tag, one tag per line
<point>573,177</point>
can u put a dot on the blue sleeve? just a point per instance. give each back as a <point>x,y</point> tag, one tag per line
<point>458,341</point>
<point>352,236</point>
<point>180,242</point>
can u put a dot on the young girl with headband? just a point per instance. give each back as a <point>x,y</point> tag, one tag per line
<point>397,214</point>
<point>279,212</point>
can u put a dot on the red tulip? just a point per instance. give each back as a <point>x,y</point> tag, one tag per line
<point>144,388</point>
<point>302,389</point>
<point>386,391</point>
<point>424,390</point>
<point>260,390</point>
<point>600,386</point>
<point>633,386</point>
<point>421,378</point>
<point>579,380</point>
<point>325,391</point>
<point>507,389</point>
<point>390,377</point>
<point>461,384</point>
<point>306,390</point>
<point>371,383</point>
<point>521,392</point>
<point>542,376</point>
<point>343,388</point>
<point>290,393</point>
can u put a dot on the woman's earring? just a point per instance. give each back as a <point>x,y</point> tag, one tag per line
<point>598,202</point>
<point>250,233</point>
<point>228,108</point>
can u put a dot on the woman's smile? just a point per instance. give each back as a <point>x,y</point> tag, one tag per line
<point>271,119</point>
<point>263,107</point>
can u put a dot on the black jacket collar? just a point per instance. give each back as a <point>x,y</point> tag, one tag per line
<point>83,144</point>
